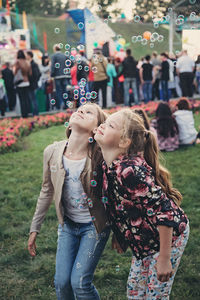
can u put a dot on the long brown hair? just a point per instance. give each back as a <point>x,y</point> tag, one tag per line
<point>143,140</point>
<point>92,170</point>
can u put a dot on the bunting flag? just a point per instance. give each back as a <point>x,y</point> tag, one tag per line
<point>45,41</point>
<point>17,14</point>
<point>8,7</point>
<point>35,33</point>
<point>24,18</point>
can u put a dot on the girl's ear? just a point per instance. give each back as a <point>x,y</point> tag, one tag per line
<point>94,130</point>
<point>124,143</point>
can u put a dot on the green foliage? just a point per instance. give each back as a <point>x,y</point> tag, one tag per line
<point>22,277</point>
<point>126,30</point>
<point>159,8</point>
<point>45,7</point>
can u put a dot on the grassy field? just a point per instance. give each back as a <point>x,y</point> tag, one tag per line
<point>125,30</point>
<point>24,278</point>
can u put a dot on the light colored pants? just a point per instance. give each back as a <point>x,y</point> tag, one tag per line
<point>142,281</point>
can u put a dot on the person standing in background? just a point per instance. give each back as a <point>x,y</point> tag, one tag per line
<point>45,81</point>
<point>60,71</point>
<point>197,73</point>
<point>99,65</point>
<point>2,96</point>
<point>184,68</point>
<point>146,77</point>
<point>129,72</point>
<point>8,77</point>
<point>22,65</point>
<point>111,72</point>
<point>164,76</point>
<point>33,79</point>
<point>156,64</point>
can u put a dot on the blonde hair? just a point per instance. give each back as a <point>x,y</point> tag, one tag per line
<point>91,170</point>
<point>143,140</point>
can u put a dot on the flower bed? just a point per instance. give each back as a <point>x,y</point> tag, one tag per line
<point>11,130</point>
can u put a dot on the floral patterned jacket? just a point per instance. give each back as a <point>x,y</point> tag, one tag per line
<point>135,206</point>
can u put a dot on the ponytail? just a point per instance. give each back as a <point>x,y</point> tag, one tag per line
<point>162,175</point>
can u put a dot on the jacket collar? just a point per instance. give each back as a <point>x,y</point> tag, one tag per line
<point>61,151</point>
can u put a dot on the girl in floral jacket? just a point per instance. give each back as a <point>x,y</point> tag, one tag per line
<point>141,204</point>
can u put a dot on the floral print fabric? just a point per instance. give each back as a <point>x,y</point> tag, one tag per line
<point>136,206</point>
<point>142,281</point>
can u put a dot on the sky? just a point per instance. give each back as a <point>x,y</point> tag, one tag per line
<point>125,5</point>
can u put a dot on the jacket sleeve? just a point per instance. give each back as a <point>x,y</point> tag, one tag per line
<point>46,193</point>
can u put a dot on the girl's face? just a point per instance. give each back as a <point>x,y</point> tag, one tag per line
<point>85,118</point>
<point>109,134</point>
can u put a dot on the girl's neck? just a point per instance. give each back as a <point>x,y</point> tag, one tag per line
<point>111,154</point>
<point>77,147</point>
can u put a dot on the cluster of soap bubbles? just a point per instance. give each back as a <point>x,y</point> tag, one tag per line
<point>90,203</point>
<point>154,37</point>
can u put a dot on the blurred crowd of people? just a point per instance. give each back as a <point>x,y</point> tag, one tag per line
<point>69,80</point>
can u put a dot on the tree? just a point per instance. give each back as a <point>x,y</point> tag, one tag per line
<point>103,11</point>
<point>147,9</point>
<point>44,7</point>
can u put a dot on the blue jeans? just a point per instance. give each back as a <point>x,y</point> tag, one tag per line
<point>78,252</point>
<point>130,82</point>
<point>147,91</point>
<point>61,88</point>
<point>32,95</point>
<point>165,92</point>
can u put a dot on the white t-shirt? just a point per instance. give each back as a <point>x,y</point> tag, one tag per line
<point>185,64</point>
<point>187,131</point>
<point>73,197</point>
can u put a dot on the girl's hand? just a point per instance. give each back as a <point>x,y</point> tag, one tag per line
<point>164,269</point>
<point>32,244</point>
<point>116,245</point>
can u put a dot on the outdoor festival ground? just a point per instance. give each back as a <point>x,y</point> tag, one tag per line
<point>23,277</point>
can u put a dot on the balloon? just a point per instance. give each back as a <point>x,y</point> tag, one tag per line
<point>122,41</point>
<point>95,44</point>
<point>147,35</point>
<point>118,47</point>
<point>101,43</point>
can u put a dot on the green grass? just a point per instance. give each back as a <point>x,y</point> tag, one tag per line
<point>125,30</point>
<point>24,278</point>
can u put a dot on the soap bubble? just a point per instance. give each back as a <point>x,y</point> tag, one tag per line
<point>80,25</point>
<point>57,30</point>
<point>68,63</point>
<point>137,19</point>
<point>93,183</point>
<point>67,46</point>
<point>57,65</point>
<point>90,139</point>
<point>53,101</point>
<point>65,95</point>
